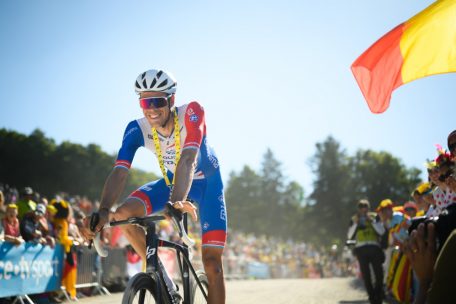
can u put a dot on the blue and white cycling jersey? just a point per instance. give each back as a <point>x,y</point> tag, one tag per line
<point>207,186</point>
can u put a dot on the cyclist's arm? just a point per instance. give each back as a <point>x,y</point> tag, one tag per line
<point>115,183</point>
<point>113,188</point>
<point>184,175</point>
<point>195,124</point>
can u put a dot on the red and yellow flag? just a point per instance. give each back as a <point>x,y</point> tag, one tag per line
<point>423,45</point>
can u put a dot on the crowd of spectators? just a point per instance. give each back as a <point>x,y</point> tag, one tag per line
<point>415,240</point>
<point>285,259</point>
<point>27,216</point>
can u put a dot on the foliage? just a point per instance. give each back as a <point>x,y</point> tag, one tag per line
<point>264,203</point>
<point>38,162</point>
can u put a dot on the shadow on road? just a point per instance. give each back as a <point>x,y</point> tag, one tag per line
<point>356,284</point>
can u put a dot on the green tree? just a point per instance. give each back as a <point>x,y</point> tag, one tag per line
<point>291,212</point>
<point>243,195</point>
<point>380,175</point>
<point>272,184</point>
<point>263,203</point>
<point>75,169</point>
<point>330,210</point>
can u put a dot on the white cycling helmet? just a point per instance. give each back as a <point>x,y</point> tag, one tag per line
<point>156,81</point>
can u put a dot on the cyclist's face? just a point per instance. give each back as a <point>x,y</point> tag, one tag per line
<point>155,116</point>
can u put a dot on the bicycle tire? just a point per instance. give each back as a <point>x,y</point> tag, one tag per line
<point>196,295</point>
<point>137,287</point>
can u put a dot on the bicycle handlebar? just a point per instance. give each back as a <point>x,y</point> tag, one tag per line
<point>176,217</point>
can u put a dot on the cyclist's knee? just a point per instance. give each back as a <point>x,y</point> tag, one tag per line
<point>212,260</point>
<point>128,209</point>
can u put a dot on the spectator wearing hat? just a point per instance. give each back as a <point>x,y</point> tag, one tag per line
<point>26,204</point>
<point>399,277</point>
<point>46,225</point>
<point>30,226</point>
<point>366,229</point>
<point>423,197</point>
<point>61,224</point>
<point>11,226</point>
<point>440,174</point>
<point>411,209</point>
<point>393,220</point>
<point>450,176</point>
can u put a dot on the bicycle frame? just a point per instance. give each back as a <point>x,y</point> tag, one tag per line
<point>153,263</point>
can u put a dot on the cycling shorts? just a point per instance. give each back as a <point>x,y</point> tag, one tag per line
<point>207,193</point>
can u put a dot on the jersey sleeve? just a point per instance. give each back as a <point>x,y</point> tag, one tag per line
<point>195,125</point>
<point>132,140</point>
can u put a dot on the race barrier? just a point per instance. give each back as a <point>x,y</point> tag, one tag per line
<point>113,268</point>
<point>29,269</point>
<point>33,269</point>
<point>89,270</point>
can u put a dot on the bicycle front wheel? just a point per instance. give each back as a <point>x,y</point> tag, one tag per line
<point>141,289</point>
<point>197,296</point>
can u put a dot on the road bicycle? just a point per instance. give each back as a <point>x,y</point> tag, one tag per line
<point>155,285</point>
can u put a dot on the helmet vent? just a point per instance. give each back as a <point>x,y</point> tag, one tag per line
<point>143,75</point>
<point>144,83</point>
<point>153,83</point>
<point>137,85</point>
<point>163,83</point>
<point>159,74</point>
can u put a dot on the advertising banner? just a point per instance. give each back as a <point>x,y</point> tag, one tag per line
<point>29,268</point>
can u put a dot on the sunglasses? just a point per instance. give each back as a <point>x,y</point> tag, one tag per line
<point>153,102</point>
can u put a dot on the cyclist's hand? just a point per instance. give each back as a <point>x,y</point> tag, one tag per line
<point>85,228</point>
<point>104,215</point>
<point>186,206</point>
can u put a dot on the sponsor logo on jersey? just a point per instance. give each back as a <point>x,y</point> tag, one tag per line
<point>190,111</point>
<point>194,118</point>
<point>213,160</point>
<point>130,131</point>
<point>146,188</point>
<point>223,214</point>
<point>205,225</point>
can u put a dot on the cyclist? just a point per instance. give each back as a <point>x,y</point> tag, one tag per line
<point>177,136</point>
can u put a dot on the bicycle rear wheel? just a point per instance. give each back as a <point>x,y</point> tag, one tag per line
<point>197,297</point>
<point>141,289</point>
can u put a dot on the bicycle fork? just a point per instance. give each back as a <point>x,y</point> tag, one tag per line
<point>154,265</point>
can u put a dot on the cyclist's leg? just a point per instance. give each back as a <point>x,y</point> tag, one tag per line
<point>214,226</point>
<point>140,203</point>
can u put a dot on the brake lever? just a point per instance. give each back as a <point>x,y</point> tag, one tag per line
<point>94,219</point>
<point>177,218</point>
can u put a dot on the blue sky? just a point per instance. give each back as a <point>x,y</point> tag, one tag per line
<point>268,73</point>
